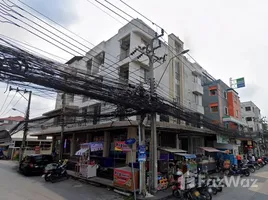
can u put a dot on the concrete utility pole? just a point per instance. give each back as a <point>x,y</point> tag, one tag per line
<point>149,51</point>
<point>62,126</point>
<point>26,118</point>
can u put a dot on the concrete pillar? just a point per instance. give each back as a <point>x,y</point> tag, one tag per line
<point>177,141</point>
<point>190,144</point>
<point>132,133</point>
<point>89,137</point>
<point>72,145</point>
<point>106,144</point>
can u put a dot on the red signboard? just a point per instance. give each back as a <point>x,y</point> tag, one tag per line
<point>123,178</point>
<point>37,150</point>
<point>121,146</point>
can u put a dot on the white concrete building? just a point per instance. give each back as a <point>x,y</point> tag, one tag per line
<point>181,80</point>
<point>251,115</point>
<point>113,60</point>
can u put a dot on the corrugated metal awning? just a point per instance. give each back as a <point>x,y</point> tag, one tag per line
<point>209,149</point>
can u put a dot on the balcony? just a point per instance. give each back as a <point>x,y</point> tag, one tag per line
<point>200,109</point>
<point>198,89</point>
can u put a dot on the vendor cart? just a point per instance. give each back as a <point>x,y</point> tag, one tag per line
<point>86,167</point>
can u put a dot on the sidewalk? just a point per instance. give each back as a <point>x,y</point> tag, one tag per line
<point>161,195</point>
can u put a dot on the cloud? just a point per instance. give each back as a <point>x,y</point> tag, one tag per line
<point>61,11</point>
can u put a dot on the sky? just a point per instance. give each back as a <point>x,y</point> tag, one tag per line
<point>227,38</point>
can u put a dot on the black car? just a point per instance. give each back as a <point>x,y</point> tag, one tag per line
<point>34,164</point>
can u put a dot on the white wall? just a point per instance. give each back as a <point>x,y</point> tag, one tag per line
<point>167,86</point>
<point>254,113</point>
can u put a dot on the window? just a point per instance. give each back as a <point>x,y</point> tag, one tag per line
<point>124,73</point>
<point>125,45</point>
<point>249,119</point>
<point>226,111</point>
<point>177,76</point>
<point>250,129</point>
<point>89,66</point>
<point>214,108</point>
<point>225,95</point>
<point>213,92</point>
<point>196,100</point>
<point>248,108</point>
<point>236,113</point>
<point>84,112</point>
<point>178,89</point>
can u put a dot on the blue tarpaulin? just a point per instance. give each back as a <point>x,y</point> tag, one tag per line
<point>187,156</point>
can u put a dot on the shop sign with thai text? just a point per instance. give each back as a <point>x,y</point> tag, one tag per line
<point>121,146</point>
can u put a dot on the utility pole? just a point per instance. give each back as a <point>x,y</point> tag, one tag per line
<point>26,119</point>
<point>149,51</point>
<point>62,126</point>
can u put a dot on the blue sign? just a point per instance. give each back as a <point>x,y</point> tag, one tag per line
<point>240,82</point>
<point>142,149</point>
<point>142,157</point>
<point>130,141</point>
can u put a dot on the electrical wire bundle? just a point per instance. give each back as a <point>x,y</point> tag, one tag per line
<point>19,66</point>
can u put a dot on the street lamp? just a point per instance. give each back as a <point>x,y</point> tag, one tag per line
<point>181,53</point>
<point>18,110</point>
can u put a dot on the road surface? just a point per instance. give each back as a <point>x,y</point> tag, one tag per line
<point>14,186</point>
<point>259,191</point>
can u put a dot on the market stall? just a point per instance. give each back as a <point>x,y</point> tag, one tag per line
<point>167,165</point>
<point>207,161</point>
<point>87,166</point>
<point>186,159</point>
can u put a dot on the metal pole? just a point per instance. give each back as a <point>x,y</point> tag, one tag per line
<point>142,164</point>
<point>153,142</point>
<point>133,174</point>
<point>62,127</point>
<point>27,114</point>
<point>231,82</point>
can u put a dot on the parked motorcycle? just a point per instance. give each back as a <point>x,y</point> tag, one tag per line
<point>58,173</point>
<point>250,167</point>
<point>237,171</point>
<point>49,168</point>
<point>256,165</point>
<point>191,193</point>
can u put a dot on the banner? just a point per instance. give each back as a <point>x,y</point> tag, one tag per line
<point>121,146</point>
<point>222,139</point>
<point>122,178</point>
<point>96,146</point>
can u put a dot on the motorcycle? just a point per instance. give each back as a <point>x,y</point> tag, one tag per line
<point>256,165</point>
<point>237,171</point>
<point>191,193</point>
<point>58,173</point>
<point>49,168</point>
<point>250,167</point>
<point>214,184</point>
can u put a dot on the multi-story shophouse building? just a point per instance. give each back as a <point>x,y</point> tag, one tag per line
<point>180,82</point>
<point>222,105</point>
<point>251,115</point>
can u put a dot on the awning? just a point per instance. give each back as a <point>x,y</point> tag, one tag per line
<point>80,152</point>
<point>171,150</point>
<point>187,156</point>
<point>209,149</point>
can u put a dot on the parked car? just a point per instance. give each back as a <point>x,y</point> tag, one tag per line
<point>34,164</point>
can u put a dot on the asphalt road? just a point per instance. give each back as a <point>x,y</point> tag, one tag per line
<point>14,186</point>
<point>245,190</point>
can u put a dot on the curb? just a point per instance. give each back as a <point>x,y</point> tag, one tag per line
<point>111,187</point>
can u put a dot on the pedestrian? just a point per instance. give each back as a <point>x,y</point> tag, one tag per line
<point>239,160</point>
